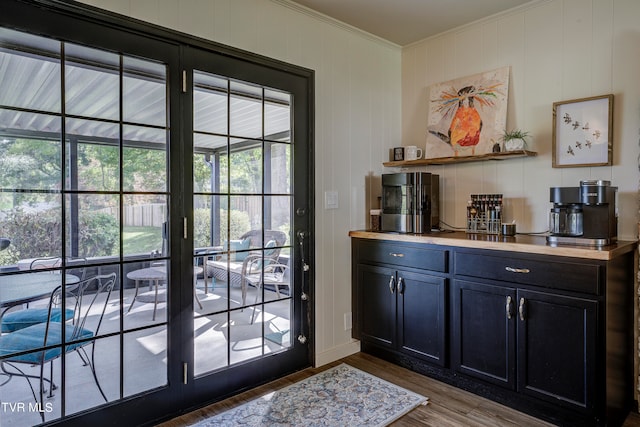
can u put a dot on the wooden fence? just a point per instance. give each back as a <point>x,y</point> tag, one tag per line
<point>148,215</point>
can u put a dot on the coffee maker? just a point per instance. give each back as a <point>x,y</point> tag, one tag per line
<point>410,202</point>
<point>584,215</point>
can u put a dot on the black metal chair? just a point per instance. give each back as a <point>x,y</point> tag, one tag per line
<point>15,320</point>
<point>45,342</point>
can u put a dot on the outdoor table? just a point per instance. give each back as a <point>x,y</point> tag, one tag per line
<point>17,289</point>
<point>155,275</point>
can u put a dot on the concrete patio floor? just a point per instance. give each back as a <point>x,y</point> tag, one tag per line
<point>220,340</point>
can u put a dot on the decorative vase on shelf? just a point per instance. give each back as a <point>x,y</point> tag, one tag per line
<point>515,140</point>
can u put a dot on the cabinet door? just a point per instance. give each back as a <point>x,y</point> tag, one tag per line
<point>483,332</point>
<point>377,302</point>
<point>556,348</point>
<point>421,316</point>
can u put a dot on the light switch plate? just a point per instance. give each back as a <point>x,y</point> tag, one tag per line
<point>331,200</point>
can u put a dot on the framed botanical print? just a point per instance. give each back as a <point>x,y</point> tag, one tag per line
<point>583,132</point>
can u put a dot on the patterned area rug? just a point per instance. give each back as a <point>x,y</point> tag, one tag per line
<point>340,396</point>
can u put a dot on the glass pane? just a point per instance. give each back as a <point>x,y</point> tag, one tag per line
<point>246,215</point>
<point>224,171</point>
<point>93,130</point>
<point>82,391</point>
<point>144,92</point>
<point>245,111</point>
<point>98,167</point>
<point>245,337</point>
<point>144,229</point>
<point>278,214</point>
<point>209,144</point>
<point>210,344</point>
<point>208,215</point>
<point>30,164</point>
<point>246,168</point>
<point>145,355</point>
<point>207,166</point>
<point>203,285</point>
<point>271,278</point>
<point>278,170</point>
<point>145,292</point>
<point>144,169</point>
<point>215,296</point>
<point>93,225</point>
<point>33,223</point>
<point>97,164</point>
<point>29,81</point>
<point>276,319</point>
<point>25,411</point>
<point>277,116</point>
<point>209,103</point>
<point>146,137</point>
<point>92,83</point>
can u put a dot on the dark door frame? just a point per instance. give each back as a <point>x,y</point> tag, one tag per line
<point>75,23</point>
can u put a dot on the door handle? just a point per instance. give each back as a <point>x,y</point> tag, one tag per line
<point>396,254</point>
<point>400,285</point>
<point>392,283</point>
<point>521,309</point>
<point>509,307</point>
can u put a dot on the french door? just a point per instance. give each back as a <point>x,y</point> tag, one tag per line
<point>250,203</point>
<point>182,167</point>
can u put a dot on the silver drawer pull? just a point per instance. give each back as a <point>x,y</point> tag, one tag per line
<point>517,270</point>
<point>397,255</point>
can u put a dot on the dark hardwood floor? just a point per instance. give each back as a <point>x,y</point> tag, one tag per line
<point>448,406</point>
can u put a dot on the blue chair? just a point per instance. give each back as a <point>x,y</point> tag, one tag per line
<point>42,343</point>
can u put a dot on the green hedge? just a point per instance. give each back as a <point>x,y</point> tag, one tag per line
<point>39,234</point>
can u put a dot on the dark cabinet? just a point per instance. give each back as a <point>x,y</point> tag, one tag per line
<point>400,309</point>
<point>483,332</point>
<point>421,316</point>
<point>548,335</point>
<point>378,302</point>
<point>541,344</point>
<point>556,356</point>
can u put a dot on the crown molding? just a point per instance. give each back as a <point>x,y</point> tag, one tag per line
<point>336,23</point>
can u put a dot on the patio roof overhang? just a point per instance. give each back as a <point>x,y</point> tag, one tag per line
<point>31,99</point>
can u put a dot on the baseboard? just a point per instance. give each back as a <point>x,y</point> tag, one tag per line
<point>336,353</point>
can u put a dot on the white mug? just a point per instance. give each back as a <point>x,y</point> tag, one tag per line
<point>412,152</point>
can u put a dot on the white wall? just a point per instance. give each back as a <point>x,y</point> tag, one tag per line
<point>358,104</point>
<point>372,95</point>
<point>558,50</point>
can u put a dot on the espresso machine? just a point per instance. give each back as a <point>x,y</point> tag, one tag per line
<point>584,215</point>
<point>410,202</point>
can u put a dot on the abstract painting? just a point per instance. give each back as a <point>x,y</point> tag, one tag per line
<point>468,115</point>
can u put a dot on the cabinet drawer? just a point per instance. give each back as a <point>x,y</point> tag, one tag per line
<point>549,273</point>
<point>404,255</point>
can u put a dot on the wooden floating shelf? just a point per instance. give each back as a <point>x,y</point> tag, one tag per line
<point>463,159</point>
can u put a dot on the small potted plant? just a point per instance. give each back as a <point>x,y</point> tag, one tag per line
<point>515,139</point>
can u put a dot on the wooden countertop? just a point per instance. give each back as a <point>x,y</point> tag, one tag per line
<point>519,243</point>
